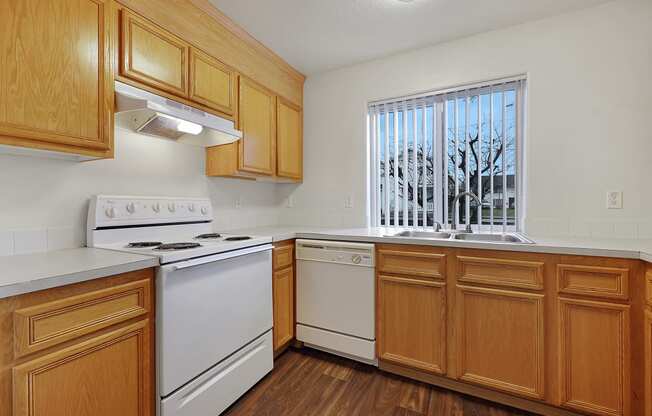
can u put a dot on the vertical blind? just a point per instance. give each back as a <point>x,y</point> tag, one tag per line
<point>426,149</point>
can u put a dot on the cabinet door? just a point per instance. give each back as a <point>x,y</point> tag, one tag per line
<point>152,56</point>
<point>412,322</point>
<point>648,361</point>
<point>283,289</point>
<point>105,376</point>
<point>56,83</point>
<point>212,83</point>
<point>594,356</point>
<point>500,341</point>
<point>289,161</point>
<point>258,125</point>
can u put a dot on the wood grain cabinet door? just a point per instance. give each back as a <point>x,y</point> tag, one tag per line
<point>107,375</point>
<point>153,56</point>
<point>56,83</point>
<point>289,161</point>
<point>212,83</point>
<point>500,341</point>
<point>283,288</point>
<point>594,356</point>
<point>412,322</point>
<point>257,148</point>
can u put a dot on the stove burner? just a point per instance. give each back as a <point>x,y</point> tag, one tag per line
<point>237,238</point>
<point>177,246</point>
<point>210,236</point>
<point>144,244</point>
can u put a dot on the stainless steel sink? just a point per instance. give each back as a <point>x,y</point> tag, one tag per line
<point>422,234</point>
<point>494,238</point>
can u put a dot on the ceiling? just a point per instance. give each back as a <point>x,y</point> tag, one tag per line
<point>318,35</point>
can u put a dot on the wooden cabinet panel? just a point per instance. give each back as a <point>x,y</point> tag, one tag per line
<point>289,162</point>
<point>500,340</point>
<point>283,256</point>
<point>594,356</point>
<point>283,288</point>
<point>105,376</point>
<point>48,324</point>
<point>153,56</point>
<point>597,281</point>
<point>212,83</point>
<point>257,118</point>
<point>392,259</point>
<point>412,322</point>
<point>648,286</point>
<point>500,272</point>
<point>56,79</point>
<point>647,333</point>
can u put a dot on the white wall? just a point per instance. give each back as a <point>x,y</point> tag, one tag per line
<point>590,103</point>
<point>50,196</point>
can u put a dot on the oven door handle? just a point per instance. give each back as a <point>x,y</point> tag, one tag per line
<point>222,256</point>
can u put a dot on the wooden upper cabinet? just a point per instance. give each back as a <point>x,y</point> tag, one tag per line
<point>56,82</point>
<point>289,162</point>
<point>257,115</point>
<point>212,83</point>
<point>594,357</point>
<point>153,56</point>
<point>500,341</point>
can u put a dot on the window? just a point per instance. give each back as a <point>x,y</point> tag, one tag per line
<point>426,149</point>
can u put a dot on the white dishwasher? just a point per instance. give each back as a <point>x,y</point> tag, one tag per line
<point>336,298</point>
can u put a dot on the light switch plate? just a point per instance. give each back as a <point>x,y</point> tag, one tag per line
<point>238,203</point>
<point>348,202</point>
<point>614,200</point>
<point>289,202</point>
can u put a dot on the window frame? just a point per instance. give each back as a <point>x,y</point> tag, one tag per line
<point>439,98</point>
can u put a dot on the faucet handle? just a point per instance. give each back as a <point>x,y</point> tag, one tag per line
<point>437,226</point>
<point>468,228</point>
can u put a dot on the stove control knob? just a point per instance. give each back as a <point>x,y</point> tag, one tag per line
<point>204,210</point>
<point>172,207</point>
<point>110,212</point>
<point>356,259</point>
<point>131,207</point>
<point>191,207</point>
<point>156,207</point>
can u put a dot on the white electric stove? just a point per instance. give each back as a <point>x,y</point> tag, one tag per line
<point>214,297</point>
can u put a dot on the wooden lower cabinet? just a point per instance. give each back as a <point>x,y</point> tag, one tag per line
<point>104,376</point>
<point>552,334</point>
<point>594,356</point>
<point>411,318</point>
<point>91,349</point>
<point>283,307</point>
<point>283,294</point>
<point>501,339</point>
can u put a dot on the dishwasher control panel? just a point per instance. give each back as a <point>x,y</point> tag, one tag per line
<point>356,254</point>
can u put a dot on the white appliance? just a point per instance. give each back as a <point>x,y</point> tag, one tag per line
<point>214,298</point>
<point>151,114</point>
<point>336,298</point>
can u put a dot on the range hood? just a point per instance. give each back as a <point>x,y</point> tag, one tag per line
<point>151,114</point>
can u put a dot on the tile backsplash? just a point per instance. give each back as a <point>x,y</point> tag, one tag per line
<point>35,240</point>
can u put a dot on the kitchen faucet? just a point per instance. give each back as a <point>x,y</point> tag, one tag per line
<point>455,211</point>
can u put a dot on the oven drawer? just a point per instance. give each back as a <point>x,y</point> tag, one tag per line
<point>219,387</point>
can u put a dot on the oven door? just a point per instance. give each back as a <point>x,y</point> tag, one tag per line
<point>209,308</point>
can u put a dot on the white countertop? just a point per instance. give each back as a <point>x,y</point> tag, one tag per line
<point>620,248</point>
<point>31,272</point>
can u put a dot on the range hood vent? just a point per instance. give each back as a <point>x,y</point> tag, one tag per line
<point>151,114</point>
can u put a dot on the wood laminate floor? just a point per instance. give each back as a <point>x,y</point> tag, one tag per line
<point>309,382</point>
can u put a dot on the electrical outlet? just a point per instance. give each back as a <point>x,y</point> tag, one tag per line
<point>614,200</point>
<point>348,202</point>
<point>289,202</point>
<point>238,203</point>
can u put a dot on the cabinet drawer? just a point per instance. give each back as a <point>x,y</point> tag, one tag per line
<point>412,263</point>
<point>596,281</point>
<point>500,272</point>
<point>42,326</point>
<point>283,256</point>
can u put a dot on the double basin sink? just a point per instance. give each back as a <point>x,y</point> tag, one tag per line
<point>462,236</point>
